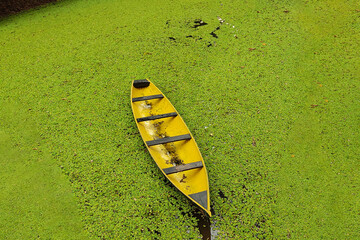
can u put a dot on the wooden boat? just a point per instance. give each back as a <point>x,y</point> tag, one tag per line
<point>170,142</point>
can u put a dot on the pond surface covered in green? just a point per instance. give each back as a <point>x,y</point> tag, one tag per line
<point>269,90</point>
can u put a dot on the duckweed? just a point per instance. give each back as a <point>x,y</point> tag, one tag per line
<point>270,91</point>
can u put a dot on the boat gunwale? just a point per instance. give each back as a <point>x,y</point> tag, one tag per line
<point>208,210</point>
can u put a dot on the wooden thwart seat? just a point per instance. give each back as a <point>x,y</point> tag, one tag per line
<point>172,114</point>
<point>168,140</point>
<point>147,98</point>
<point>181,168</point>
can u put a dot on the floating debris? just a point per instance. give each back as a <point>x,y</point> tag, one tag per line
<point>220,20</point>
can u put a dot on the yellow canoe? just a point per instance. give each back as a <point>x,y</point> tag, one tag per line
<point>170,142</point>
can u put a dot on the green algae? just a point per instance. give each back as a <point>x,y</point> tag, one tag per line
<point>269,90</point>
<point>36,201</point>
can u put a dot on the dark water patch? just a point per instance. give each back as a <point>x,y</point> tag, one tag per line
<point>166,181</point>
<point>154,231</point>
<point>199,23</point>
<point>204,224</point>
<point>157,232</point>
<point>9,7</point>
<point>222,195</point>
<point>172,39</point>
<point>175,198</point>
<point>196,38</point>
<point>214,34</point>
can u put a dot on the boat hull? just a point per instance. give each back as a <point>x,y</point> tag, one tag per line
<point>170,142</point>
